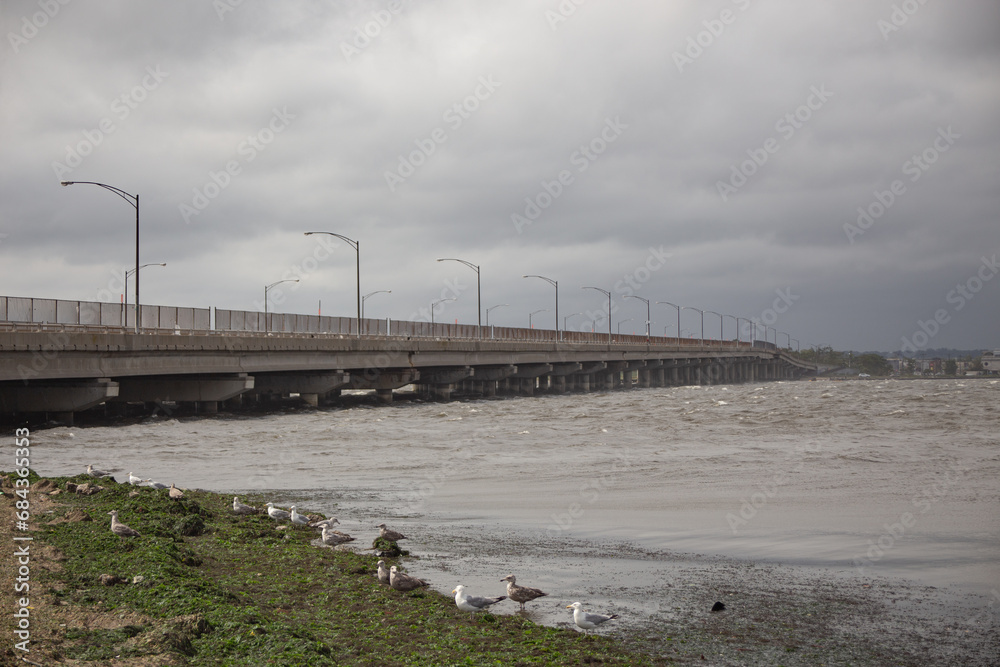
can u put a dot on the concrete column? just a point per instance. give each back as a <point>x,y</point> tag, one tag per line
<point>208,407</point>
<point>584,382</point>
<point>490,388</point>
<point>443,391</point>
<point>559,384</point>
<point>64,418</point>
<point>527,386</point>
<point>644,378</point>
<point>383,395</point>
<point>310,399</point>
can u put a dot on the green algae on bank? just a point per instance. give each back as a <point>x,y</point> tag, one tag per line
<point>204,586</point>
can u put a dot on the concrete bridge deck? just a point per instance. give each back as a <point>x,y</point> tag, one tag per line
<point>62,369</point>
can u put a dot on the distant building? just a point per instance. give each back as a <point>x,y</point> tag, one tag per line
<point>991,361</point>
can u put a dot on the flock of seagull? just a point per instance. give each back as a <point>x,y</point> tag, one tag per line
<point>401,581</point>
<point>392,576</point>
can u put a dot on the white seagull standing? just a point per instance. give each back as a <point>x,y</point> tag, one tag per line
<point>275,513</point>
<point>298,519</point>
<point>383,573</point>
<point>133,480</point>
<point>94,472</point>
<point>467,602</point>
<point>586,620</point>
<point>119,528</point>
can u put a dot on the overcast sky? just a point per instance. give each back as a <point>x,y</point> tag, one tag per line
<point>829,168</point>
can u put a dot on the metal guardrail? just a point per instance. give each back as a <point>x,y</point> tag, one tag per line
<point>25,314</point>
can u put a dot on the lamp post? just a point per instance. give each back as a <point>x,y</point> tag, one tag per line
<point>775,335</point>
<point>530,315</point>
<point>678,308</point>
<point>381,291</point>
<point>632,296</point>
<point>789,341</point>
<point>796,344</point>
<point>133,200</point>
<point>702,322</point>
<point>738,328</point>
<point>554,283</point>
<point>499,305</point>
<point>606,292</point>
<point>357,251</point>
<point>267,325</point>
<point>479,289</point>
<point>566,320</point>
<point>620,323</point>
<point>737,321</point>
<point>434,305</point>
<point>125,286</point>
<point>721,332</point>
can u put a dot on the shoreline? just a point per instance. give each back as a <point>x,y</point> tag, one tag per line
<point>775,614</point>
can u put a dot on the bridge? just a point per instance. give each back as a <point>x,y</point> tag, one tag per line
<point>61,358</point>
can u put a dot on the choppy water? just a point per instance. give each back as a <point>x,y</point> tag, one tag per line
<point>872,478</point>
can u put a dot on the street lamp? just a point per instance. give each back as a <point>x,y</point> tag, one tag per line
<point>499,305</point>
<point>737,321</point>
<point>702,322</point>
<point>381,291</point>
<point>738,329</point>
<point>554,283</point>
<point>721,321</point>
<point>775,335</point>
<point>786,336</point>
<point>434,305</point>
<point>479,289</point>
<point>604,291</point>
<point>357,250</point>
<point>267,325</point>
<point>797,349</point>
<point>530,315</point>
<point>632,296</point>
<point>566,319</point>
<point>678,308</point>
<point>133,200</point>
<point>621,323</point>
<point>125,286</point>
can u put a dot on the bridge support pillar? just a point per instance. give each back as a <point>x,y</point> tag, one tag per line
<point>559,384</point>
<point>443,391</point>
<point>310,399</point>
<point>208,407</point>
<point>384,395</point>
<point>527,387</point>
<point>584,382</point>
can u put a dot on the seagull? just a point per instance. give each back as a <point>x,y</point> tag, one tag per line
<point>298,519</point>
<point>404,582</point>
<point>473,602</point>
<point>331,522</point>
<point>155,485</point>
<point>240,508</point>
<point>119,528</point>
<point>521,594</point>
<point>383,573</point>
<point>133,480</point>
<point>275,513</point>
<point>94,472</point>
<point>586,620</point>
<point>388,534</point>
<point>175,493</point>
<point>335,537</point>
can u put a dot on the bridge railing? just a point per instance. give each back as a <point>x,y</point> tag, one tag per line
<point>30,313</point>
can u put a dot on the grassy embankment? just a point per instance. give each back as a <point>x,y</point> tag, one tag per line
<point>242,592</point>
